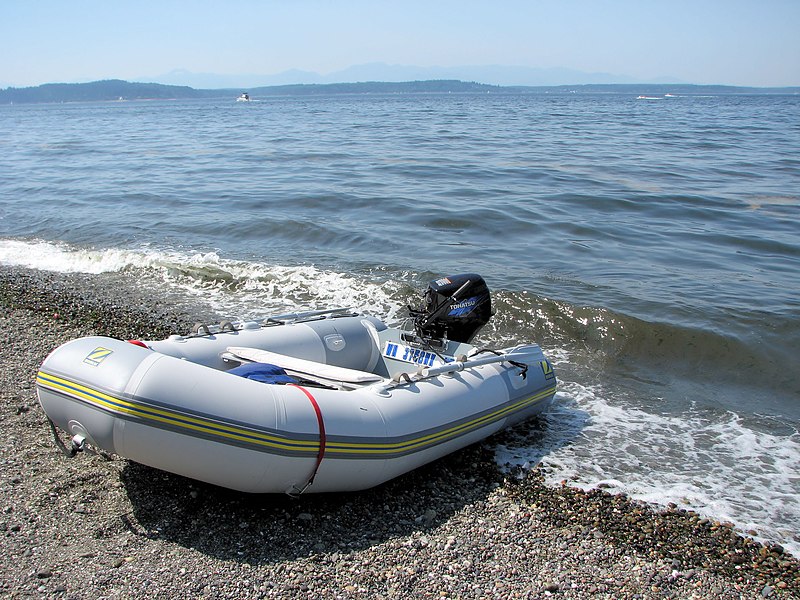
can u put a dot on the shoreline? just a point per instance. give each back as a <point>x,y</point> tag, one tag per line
<point>88,528</point>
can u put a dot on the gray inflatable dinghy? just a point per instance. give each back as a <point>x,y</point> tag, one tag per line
<point>319,401</point>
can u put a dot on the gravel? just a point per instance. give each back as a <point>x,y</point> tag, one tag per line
<point>105,527</point>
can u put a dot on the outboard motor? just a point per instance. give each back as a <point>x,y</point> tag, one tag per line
<point>456,308</point>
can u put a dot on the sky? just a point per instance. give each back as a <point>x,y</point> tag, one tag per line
<point>733,42</point>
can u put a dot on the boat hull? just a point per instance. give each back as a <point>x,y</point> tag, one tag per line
<point>190,417</point>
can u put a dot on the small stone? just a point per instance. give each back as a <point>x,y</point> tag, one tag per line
<point>551,587</point>
<point>767,591</point>
<point>44,573</point>
<point>305,517</point>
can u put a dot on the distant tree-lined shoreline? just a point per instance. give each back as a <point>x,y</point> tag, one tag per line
<point>116,89</point>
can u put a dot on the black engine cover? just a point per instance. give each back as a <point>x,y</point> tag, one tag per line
<point>456,308</point>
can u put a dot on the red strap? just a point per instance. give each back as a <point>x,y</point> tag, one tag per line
<point>321,424</point>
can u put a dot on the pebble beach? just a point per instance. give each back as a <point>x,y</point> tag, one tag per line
<point>99,526</point>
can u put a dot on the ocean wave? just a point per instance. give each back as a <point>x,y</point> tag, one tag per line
<point>717,464</point>
<point>234,286</point>
<point>63,258</point>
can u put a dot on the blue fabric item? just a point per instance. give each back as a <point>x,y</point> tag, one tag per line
<point>263,372</point>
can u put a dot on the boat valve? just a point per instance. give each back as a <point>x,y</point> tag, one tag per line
<point>77,443</point>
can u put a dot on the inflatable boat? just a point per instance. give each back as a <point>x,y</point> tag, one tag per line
<point>321,401</point>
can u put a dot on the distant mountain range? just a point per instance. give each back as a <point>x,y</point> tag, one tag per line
<point>115,89</point>
<point>503,75</point>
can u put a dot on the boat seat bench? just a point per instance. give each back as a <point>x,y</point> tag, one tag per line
<point>303,366</point>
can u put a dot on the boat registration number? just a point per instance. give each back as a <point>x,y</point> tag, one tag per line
<point>416,356</point>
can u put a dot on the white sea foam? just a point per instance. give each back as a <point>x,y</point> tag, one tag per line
<point>240,289</point>
<point>256,290</point>
<point>713,463</point>
<point>61,258</point>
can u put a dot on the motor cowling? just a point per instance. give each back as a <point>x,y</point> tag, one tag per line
<point>456,308</point>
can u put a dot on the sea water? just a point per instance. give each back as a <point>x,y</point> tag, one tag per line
<point>652,247</point>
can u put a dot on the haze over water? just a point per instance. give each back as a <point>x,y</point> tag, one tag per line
<point>651,247</point>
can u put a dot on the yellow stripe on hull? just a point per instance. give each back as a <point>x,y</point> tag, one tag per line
<point>276,442</point>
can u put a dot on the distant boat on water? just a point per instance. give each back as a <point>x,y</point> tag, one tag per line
<point>245,97</point>
<point>656,97</point>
